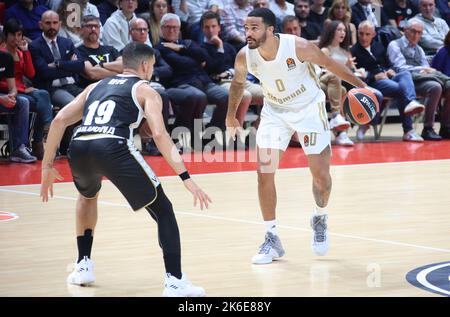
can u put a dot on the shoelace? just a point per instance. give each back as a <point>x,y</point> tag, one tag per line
<point>269,242</point>
<point>319,229</point>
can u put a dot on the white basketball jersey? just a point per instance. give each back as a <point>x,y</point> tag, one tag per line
<point>286,81</point>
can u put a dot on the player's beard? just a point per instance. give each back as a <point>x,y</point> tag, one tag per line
<point>257,42</point>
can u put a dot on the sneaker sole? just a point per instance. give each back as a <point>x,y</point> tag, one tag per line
<point>19,160</point>
<point>414,111</point>
<point>81,284</point>
<point>341,127</point>
<point>268,261</point>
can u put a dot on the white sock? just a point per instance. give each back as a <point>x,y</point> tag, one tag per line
<point>271,226</point>
<point>319,211</point>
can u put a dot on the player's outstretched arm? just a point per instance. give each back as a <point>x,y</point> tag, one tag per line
<point>152,103</point>
<point>70,114</point>
<point>311,53</point>
<point>236,92</point>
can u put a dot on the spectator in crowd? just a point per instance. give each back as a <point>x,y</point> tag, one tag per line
<point>190,13</point>
<point>291,25</point>
<point>399,11</point>
<point>105,60</point>
<point>372,56</point>
<point>157,9</point>
<point>341,11</point>
<point>441,61</point>
<point>405,54</point>
<point>332,44</point>
<point>70,18</point>
<point>116,31</point>
<point>161,72</point>
<point>234,20</point>
<point>435,29</point>
<point>38,99</point>
<point>444,10</point>
<point>56,65</point>
<point>310,30</point>
<point>364,10</point>
<point>319,12</point>
<point>19,106</point>
<point>191,87</point>
<point>106,9</point>
<point>266,4</point>
<point>85,7</point>
<point>221,64</point>
<point>281,8</point>
<point>28,13</point>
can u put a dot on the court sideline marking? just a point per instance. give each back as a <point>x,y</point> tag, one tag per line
<point>349,236</point>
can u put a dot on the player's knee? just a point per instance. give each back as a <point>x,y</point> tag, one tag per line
<point>265,178</point>
<point>322,179</point>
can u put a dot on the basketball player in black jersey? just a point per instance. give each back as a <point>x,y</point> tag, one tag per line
<point>103,146</point>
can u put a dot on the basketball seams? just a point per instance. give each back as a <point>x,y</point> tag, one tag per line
<point>358,111</point>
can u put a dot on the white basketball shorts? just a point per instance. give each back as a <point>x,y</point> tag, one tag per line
<point>279,124</point>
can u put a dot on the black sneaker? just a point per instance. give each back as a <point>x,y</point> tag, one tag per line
<point>429,135</point>
<point>22,155</point>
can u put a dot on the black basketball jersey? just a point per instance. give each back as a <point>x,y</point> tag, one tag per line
<point>112,108</point>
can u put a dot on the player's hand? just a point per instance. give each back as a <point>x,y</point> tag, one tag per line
<point>198,193</point>
<point>48,178</point>
<point>233,126</point>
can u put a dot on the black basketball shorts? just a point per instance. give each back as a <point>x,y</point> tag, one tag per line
<point>117,159</point>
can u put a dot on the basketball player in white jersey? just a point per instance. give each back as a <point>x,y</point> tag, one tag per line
<point>293,103</point>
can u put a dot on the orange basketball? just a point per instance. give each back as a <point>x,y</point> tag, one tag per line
<point>360,106</point>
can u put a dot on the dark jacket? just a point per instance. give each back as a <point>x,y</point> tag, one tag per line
<point>374,63</point>
<point>219,62</point>
<point>42,56</point>
<point>358,15</point>
<point>186,64</point>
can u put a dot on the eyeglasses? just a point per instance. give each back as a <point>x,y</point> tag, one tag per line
<point>415,31</point>
<point>140,29</point>
<point>171,27</point>
<point>91,26</point>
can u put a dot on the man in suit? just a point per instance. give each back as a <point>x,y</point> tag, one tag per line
<point>55,61</point>
<point>56,65</point>
<point>371,55</point>
<point>191,89</point>
<point>363,10</point>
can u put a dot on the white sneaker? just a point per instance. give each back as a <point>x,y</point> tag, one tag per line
<point>338,123</point>
<point>343,139</point>
<point>174,287</point>
<point>319,241</point>
<point>362,129</point>
<point>412,136</point>
<point>413,107</point>
<point>270,250</point>
<point>83,273</point>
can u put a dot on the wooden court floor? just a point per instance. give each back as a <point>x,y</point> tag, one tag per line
<point>384,220</point>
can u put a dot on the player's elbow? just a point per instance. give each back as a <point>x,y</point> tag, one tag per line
<point>159,135</point>
<point>60,122</point>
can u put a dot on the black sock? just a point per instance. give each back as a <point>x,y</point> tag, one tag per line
<point>85,244</point>
<point>172,264</point>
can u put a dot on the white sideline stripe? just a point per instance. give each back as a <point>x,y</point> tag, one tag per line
<point>249,222</point>
<point>279,170</point>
